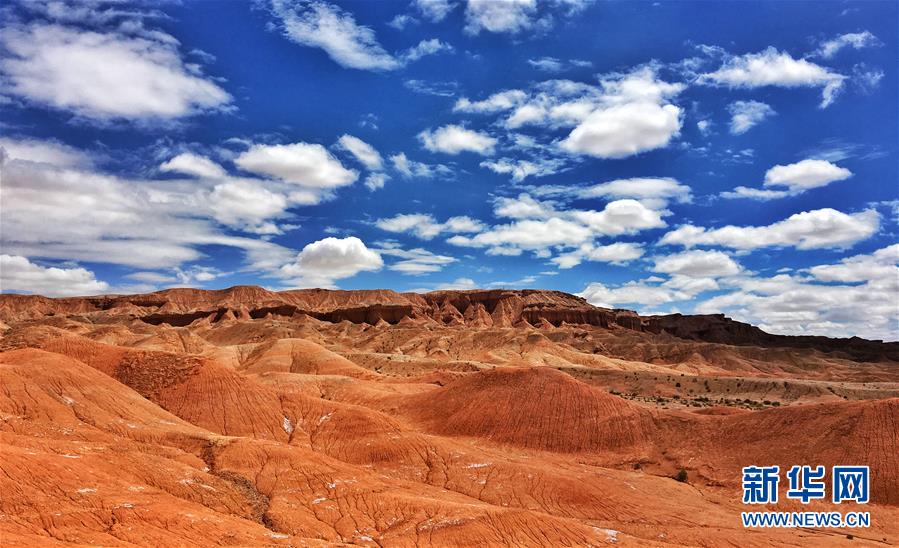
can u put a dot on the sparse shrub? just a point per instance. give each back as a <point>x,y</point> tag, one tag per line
<point>681,475</point>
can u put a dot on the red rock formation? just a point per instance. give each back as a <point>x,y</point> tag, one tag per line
<point>454,418</point>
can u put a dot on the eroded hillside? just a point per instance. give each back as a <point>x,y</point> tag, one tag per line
<point>249,417</point>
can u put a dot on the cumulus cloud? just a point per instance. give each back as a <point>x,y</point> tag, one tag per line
<point>527,234</point>
<point>19,274</point>
<point>759,194</point>
<point>188,163</point>
<point>426,227</point>
<point>142,223</point>
<point>247,205</point>
<point>793,179</point>
<point>632,116</point>
<point>616,253</point>
<point>375,181</point>
<point>105,76</point>
<point>627,113</point>
<point>652,192</point>
<point>820,228</point>
<point>631,293</point>
<point>690,273</point>
<point>319,24</point>
<point>746,114</point>
<point>624,130</point>
<point>425,48</point>
<point>539,226</point>
<point>45,152</point>
<point>322,263</point>
<point>860,268</point>
<point>697,264</point>
<point>805,175</point>
<point>854,297</point>
<point>498,102</point>
<point>416,261</point>
<point>771,67</point>
<point>411,168</point>
<point>855,40</point>
<point>511,16</point>
<point>453,139</point>
<point>303,164</point>
<point>434,10</point>
<point>362,151</point>
<point>620,217</point>
<point>522,169</point>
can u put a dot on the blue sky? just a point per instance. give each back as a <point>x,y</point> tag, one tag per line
<point>664,157</point>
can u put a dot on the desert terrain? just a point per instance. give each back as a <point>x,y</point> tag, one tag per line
<point>245,417</point>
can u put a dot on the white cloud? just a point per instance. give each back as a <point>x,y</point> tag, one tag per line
<point>746,114</point>
<point>861,303</point>
<point>632,115</point>
<point>704,127</point>
<point>364,152</point>
<point>143,223</point>
<point>627,113</point>
<point>402,21</point>
<point>878,265</point>
<point>640,293</point>
<point>425,48</point>
<point>805,175</point>
<point>323,262</point>
<point>653,192</point>
<point>523,207</point>
<point>104,76</point>
<point>522,169</point>
<point>498,102</point>
<point>322,25</point>
<point>540,227</point>
<point>411,168</point>
<point>510,16</point>
<point>45,152</point>
<point>319,24</point>
<point>620,217</point>
<point>459,284</point>
<point>193,164</point>
<point>771,67</point>
<point>304,164</point>
<point>625,130</point>
<point>438,89</point>
<point>856,40</point>
<point>247,205</point>
<point>547,64</point>
<point>416,261</point>
<point>820,228</point>
<point>528,234</point>
<point>616,253</point>
<point>19,274</point>
<point>434,10</point>
<point>754,193</point>
<point>697,264</point>
<point>795,178</point>
<point>453,139</point>
<point>375,181</point>
<point>426,227</point>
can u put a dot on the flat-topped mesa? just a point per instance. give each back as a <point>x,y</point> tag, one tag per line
<point>476,309</point>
